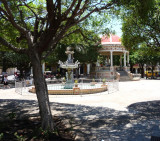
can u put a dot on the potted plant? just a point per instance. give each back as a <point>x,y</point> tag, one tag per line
<point>104,81</point>
<point>93,82</point>
<point>76,83</point>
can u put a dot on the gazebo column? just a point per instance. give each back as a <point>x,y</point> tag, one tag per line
<point>111,57</point>
<point>88,69</point>
<point>79,71</point>
<point>124,59</point>
<point>128,59</point>
<point>31,70</point>
<point>43,67</point>
<point>125,66</point>
<point>120,60</point>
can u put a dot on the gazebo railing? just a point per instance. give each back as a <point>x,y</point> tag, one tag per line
<point>102,68</point>
<point>119,68</point>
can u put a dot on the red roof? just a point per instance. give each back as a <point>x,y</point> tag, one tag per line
<point>110,39</point>
<point>136,65</point>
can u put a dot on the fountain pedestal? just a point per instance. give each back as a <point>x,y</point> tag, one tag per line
<point>69,65</point>
<point>69,84</point>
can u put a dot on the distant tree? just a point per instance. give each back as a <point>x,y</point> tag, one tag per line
<point>19,61</point>
<point>144,55</point>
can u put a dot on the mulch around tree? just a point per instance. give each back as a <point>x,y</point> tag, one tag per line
<point>30,130</point>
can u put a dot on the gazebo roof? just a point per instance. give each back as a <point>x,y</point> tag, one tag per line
<point>112,39</point>
<point>112,43</point>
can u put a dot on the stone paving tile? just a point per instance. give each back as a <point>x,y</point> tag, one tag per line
<point>116,125</point>
<point>98,123</point>
<point>132,114</point>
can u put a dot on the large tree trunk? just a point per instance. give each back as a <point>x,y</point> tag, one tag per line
<point>4,64</point>
<point>42,93</point>
<point>142,70</point>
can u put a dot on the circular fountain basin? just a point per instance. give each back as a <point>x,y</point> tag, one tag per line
<point>85,88</point>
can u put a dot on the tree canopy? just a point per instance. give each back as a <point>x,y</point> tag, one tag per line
<point>138,31</point>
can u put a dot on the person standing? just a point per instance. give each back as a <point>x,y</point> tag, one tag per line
<point>6,82</point>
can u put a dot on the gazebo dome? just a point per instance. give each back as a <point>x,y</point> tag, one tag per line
<point>112,39</point>
<point>111,43</point>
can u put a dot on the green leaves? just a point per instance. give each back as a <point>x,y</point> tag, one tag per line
<point>138,30</point>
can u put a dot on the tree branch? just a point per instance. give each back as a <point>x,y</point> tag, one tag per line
<point>3,16</point>
<point>77,31</point>
<point>69,9</point>
<point>108,6</point>
<point>51,10</point>
<point>59,9</point>
<point>21,16</point>
<point>83,8</point>
<point>76,9</point>
<point>5,13</point>
<point>12,47</point>
<point>30,9</point>
<point>36,30</point>
<point>11,18</point>
<point>49,51</point>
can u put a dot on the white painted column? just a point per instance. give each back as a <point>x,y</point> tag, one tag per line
<point>88,68</point>
<point>43,67</point>
<point>145,68</point>
<point>124,59</point>
<point>31,70</point>
<point>136,70</point>
<point>128,58</point>
<point>79,70</point>
<point>111,57</point>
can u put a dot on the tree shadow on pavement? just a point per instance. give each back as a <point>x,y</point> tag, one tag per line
<point>140,122</point>
<point>21,108</point>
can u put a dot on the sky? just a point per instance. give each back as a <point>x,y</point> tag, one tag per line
<point>118,30</point>
<point>116,25</point>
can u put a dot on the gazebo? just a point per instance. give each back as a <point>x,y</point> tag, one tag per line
<point>111,45</point>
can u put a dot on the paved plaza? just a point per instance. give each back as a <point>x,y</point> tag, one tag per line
<point>130,114</point>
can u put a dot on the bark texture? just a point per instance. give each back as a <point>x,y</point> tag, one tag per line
<point>42,92</point>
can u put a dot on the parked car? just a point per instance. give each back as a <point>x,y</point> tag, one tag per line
<point>149,74</point>
<point>48,74</point>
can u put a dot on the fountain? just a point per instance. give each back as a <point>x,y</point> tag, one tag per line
<point>69,65</point>
<point>68,87</point>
